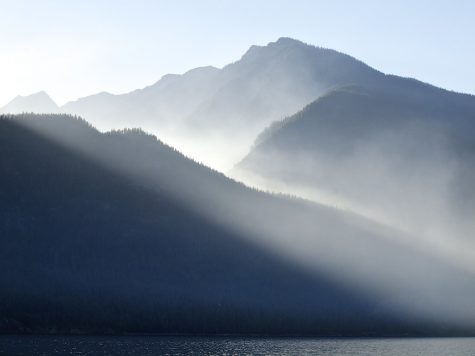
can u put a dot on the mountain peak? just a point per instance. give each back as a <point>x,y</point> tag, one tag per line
<point>283,45</point>
<point>286,41</point>
<point>41,95</point>
<point>281,42</point>
<point>39,102</point>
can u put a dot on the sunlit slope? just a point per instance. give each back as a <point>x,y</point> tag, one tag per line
<point>117,232</point>
<point>403,158</point>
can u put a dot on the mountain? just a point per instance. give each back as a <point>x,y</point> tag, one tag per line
<point>118,233</point>
<point>402,153</point>
<point>167,101</point>
<point>39,103</point>
<point>204,109</point>
<point>200,111</point>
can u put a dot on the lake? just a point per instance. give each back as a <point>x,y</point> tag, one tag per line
<point>177,345</point>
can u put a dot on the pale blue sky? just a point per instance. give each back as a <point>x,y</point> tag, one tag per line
<point>76,48</point>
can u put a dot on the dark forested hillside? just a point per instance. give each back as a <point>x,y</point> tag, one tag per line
<point>117,232</point>
<point>408,158</point>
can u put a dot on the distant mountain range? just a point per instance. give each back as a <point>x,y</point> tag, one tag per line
<point>214,115</point>
<point>200,111</point>
<point>117,232</point>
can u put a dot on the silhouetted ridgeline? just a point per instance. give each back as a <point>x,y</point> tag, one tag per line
<point>116,232</point>
<point>408,155</point>
<point>201,111</point>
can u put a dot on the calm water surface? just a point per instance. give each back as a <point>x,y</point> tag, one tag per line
<point>157,345</point>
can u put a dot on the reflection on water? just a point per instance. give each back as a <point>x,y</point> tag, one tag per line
<point>176,345</point>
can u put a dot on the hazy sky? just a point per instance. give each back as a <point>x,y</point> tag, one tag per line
<point>76,48</point>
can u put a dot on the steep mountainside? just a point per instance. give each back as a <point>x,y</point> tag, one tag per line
<point>117,232</point>
<point>407,159</point>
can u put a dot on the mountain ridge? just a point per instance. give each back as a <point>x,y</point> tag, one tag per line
<point>37,102</point>
<point>368,149</point>
<point>238,101</point>
<point>200,111</point>
<point>137,238</point>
